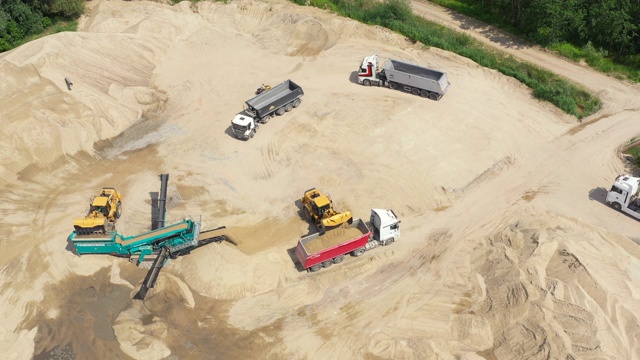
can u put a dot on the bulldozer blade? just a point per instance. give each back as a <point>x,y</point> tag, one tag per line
<point>337,219</point>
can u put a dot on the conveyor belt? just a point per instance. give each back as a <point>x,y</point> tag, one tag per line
<point>214,235</point>
<point>154,233</point>
<point>150,280</point>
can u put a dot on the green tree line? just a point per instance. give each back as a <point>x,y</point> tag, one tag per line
<point>609,24</point>
<point>20,19</point>
<point>604,33</point>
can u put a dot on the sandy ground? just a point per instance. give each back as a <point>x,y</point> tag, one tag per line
<point>507,251</point>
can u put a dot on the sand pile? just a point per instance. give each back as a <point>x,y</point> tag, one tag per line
<point>332,238</point>
<point>540,300</point>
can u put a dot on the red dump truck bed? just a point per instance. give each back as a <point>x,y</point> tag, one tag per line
<point>314,249</point>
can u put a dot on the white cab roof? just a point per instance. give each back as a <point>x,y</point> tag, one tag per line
<point>387,217</point>
<point>241,119</point>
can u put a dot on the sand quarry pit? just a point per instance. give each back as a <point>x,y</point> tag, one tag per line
<point>507,250</point>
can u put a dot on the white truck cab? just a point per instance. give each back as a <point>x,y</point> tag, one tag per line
<point>368,70</point>
<point>243,126</point>
<point>623,195</point>
<point>386,226</point>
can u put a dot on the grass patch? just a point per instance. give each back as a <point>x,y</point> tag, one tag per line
<point>398,16</point>
<point>56,27</point>
<point>635,154</point>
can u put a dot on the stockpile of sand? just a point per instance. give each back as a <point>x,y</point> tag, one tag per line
<point>541,301</point>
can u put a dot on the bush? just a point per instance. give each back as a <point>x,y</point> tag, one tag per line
<point>635,153</point>
<point>67,8</point>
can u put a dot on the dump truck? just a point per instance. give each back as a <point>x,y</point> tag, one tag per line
<point>104,210</point>
<point>318,210</point>
<point>315,252</point>
<point>276,101</point>
<point>397,74</point>
<point>623,195</point>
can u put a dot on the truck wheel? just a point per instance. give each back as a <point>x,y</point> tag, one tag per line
<point>265,119</point>
<point>433,96</point>
<point>253,132</point>
<point>280,111</point>
<point>315,267</point>
<point>389,241</point>
<point>357,252</point>
<point>289,107</point>
<point>424,93</point>
<point>393,85</point>
<point>415,91</point>
<point>326,264</point>
<point>118,210</point>
<point>338,259</point>
<point>616,206</point>
<point>366,82</point>
<point>296,103</point>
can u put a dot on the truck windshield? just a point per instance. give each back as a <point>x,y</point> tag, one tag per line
<point>616,189</point>
<point>239,127</point>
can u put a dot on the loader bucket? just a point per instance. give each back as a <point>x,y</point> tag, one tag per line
<point>89,225</point>
<point>337,219</point>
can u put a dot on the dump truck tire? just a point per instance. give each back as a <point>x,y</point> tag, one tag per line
<point>338,259</point>
<point>424,93</point>
<point>265,119</point>
<point>616,206</point>
<point>393,85</point>
<point>366,82</point>
<point>433,96</point>
<point>326,264</point>
<point>415,91</point>
<point>315,267</point>
<point>289,107</point>
<point>280,111</point>
<point>357,252</point>
<point>296,103</point>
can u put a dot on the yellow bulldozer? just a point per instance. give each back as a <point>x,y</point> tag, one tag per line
<point>104,210</point>
<point>318,209</point>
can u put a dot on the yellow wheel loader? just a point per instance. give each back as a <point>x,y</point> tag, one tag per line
<point>318,209</point>
<point>104,210</point>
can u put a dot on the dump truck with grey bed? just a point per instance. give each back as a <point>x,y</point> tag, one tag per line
<point>397,74</point>
<point>259,109</point>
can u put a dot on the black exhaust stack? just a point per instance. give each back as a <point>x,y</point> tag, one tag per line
<point>162,202</point>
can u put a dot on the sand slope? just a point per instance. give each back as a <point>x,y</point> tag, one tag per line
<point>507,249</point>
